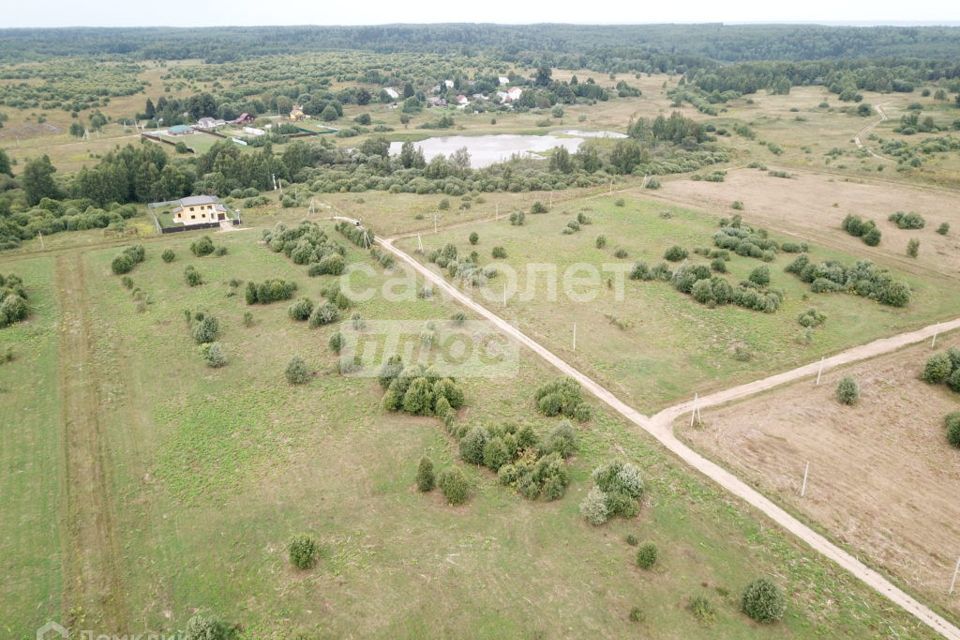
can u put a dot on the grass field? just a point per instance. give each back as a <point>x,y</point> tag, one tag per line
<point>210,472</point>
<point>31,459</point>
<point>882,477</point>
<point>657,346</point>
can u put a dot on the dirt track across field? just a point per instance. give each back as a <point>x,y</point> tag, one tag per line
<point>92,584</point>
<point>660,427</point>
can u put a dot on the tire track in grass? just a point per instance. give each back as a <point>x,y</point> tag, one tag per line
<point>94,595</point>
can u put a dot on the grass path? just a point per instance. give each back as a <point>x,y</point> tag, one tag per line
<point>94,594</point>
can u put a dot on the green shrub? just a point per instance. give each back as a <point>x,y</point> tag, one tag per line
<point>325,313</point>
<point>594,507</point>
<point>811,318</point>
<point>121,264</point>
<point>304,552</point>
<point>202,247</point>
<point>301,309</point>
<point>202,627</point>
<point>913,247</point>
<point>213,354</point>
<point>247,319</point>
<point>938,369</point>
<point>206,330</point>
<point>601,241</point>
<point>719,265</point>
<point>562,397</point>
<point>562,440</point>
<point>538,207</point>
<point>848,392</point>
<point>675,254</point>
<point>620,253</point>
<point>907,220</point>
<point>474,237</point>
<point>954,380</point>
<point>472,444</point>
<point>453,483</point>
<point>647,556</point>
<point>297,371</point>
<point>632,540</point>
<point>425,476</point>
<point>763,601</point>
<point>872,237</point>
<point>702,609</point>
<point>192,276</point>
<point>760,276</point>
<point>636,615</point>
<point>269,291</point>
<point>944,228</point>
<point>499,252</point>
<point>495,453</point>
<point>168,255</point>
<point>952,422</point>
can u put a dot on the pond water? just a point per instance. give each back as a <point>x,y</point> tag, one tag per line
<point>491,149</point>
<point>594,134</point>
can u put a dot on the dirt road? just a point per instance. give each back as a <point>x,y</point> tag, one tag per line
<point>858,139</point>
<point>660,428</point>
<point>93,590</point>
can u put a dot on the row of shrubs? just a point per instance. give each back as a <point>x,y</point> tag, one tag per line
<point>126,261</point>
<point>419,391</point>
<point>452,481</point>
<point>747,242</point>
<point>865,230</point>
<point>562,397</point>
<point>863,279</point>
<point>617,491</point>
<point>943,368</point>
<point>907,220</point>
<point>699,282</point>
<point>360,236</point>
<point>269,291</point>
<point>13,300</point>
<point>307,244</point>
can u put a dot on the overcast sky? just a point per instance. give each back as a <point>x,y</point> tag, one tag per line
<point>183,13</point>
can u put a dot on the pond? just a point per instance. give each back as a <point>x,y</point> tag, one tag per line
<point>491,149</point>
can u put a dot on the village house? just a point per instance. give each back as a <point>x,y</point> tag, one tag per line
<point>199,210</point>
<point>393,93</point>
<point>209,124</point>
<point>180,130</point>
<point>296,113</point>
<point>503,80</point>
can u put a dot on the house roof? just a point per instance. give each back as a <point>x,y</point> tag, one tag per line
<point>192,201</point>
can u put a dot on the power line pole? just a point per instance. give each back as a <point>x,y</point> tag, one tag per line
<point>806,472</point>
<point>820,371</point>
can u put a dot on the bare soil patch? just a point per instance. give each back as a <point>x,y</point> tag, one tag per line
<point>812,206</point>
<point>882,477</point>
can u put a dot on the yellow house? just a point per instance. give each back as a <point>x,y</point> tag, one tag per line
<point>296,114</point>
<point>199,210</point>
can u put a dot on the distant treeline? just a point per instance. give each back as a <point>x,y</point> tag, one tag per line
<point>606,48</point>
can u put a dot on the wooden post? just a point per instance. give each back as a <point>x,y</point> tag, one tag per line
<point>574,336</point>
<point>696,409</point>
<point>956,570</point>
<point>419,243</point>
<point>806,472</point>
<point>40,235</point>
<point>820,372</point>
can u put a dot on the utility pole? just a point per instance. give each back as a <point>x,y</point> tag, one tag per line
<point>806,472</point>
<point>40,235</point>
<point>820,372</point>
<point>695,415</point>
<point>936,332</point>
<point>956,570</point>
<point>574,335</point>
<point>419,243</point>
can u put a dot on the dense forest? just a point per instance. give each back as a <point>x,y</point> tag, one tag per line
<point>605,48</point>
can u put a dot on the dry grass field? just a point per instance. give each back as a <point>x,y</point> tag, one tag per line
<point>883,479</point>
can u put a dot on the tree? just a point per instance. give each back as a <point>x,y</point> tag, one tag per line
<point>425,477</point>
<point>329,113</point>
<point>647,556</point>
<point>763,601</point>
<point>561,161</point>
<point>150,110</point>
<point>168,255</point>
<point>37,180</point>
<point>938,369</point>
<point>913,247</point>
<point>453,483</point>
<point>474,237</point>
<point>5,166</point>
<point>542,77</point>
<point>77,130</point>
<point>952,422</point>
<point>201,627</point>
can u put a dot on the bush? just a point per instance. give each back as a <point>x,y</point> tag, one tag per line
<point>594,507</point>
<point>952,422</point>
<point>499,252</point>
<point>326,313</point>
<point>304,552</point>
<point>206,330</point>
<point>453,484</point>
<point>811,318</point>
<point>336,342</point>
<point>269,291</point>
<point>202,247</point>
<point>192,276</point>
<point>647,556</point>
<point>562,397</point>
<point>474,237</point>
<point>760,276</point>
<point>601,241</point>
<point>848,392</point>
<point>675,254</point>
<point>201,627</point>
<point>701,609</point>
<point>121,264</point>
<point>938,369</point>
<point>212,353</point>
<point>872,237</point>
<point>954,380</point>
<point>944,228</point>
<point>763,601</point>
<point>425,476</point>
<point>301,309</point>
<point>562,440</point>
<point>168,255</point>
<point>297,371</point>
<point>907,220</point>
<point>636,615</point>
<point>472,444</point>
<point>620,253</point>
<point>913,247</point>
<point>632,540</point>
<point>538,207</point>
